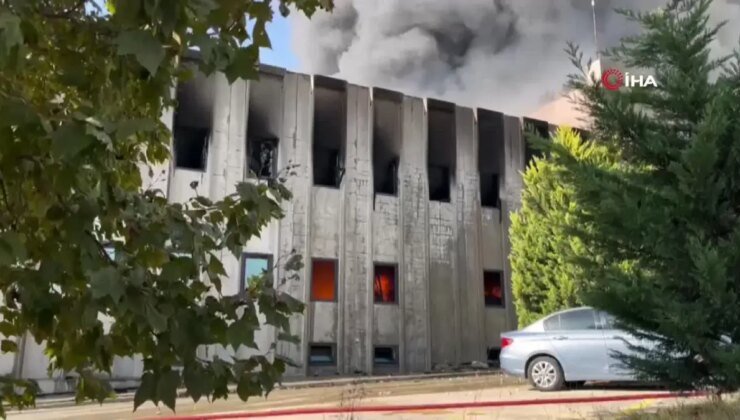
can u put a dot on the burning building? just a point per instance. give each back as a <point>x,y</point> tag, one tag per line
<point>400,210</point>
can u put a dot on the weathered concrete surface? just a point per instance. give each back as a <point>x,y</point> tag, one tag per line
<point>469,267</point>
<point>295,146</point>
<point>443,285</point>
<point>356,248</point>
<point>414,246</point>
<point>514,153</point>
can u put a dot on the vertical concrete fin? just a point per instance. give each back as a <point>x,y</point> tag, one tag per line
<point>470,271</point>
<point>294,227</point>
<point>414,244</point>
<point>357,193</point>
<point>514,153</point>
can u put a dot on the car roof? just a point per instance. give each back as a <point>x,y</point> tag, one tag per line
<point>580,308</point>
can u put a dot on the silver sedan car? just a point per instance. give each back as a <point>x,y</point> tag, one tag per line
<point>568,347</point>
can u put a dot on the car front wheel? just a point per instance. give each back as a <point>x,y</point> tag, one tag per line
<point>545,374</point>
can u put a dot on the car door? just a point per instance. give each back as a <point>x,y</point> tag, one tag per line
<point>579,345</point>
<point>617,342</point>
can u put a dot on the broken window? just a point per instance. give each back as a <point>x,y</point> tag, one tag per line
<point>386,140</point>
<point>193,123</point>
<point>262,157</point>
<point>541,129</point>
<point>384,285</point>
<point>323,280</point>
<point>493,288</point>
<point>385,355</point>
<point>490,155</point>
<point>441,149</point>
<point>264,125</point>
<point>329,121</point>
<point>321,354</point>
<point>253,266</point>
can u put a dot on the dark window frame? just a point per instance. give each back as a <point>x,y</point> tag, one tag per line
<point>336,279</point>
<point>395,283</point>
<point>338,170</point>
<point>502,283</point>
<point>394,351</point>
<point>333,350</point>
<point>256,141</point>
<point>446,174</point>
<point>497,184</point>
<point>205,150</point>
<point>243,264</point>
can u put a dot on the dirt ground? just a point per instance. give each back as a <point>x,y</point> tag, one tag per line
<point>412,392</point>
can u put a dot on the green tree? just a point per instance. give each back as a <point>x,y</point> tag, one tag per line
<point>543,278</point>
<point>81,95</point>
<point>661,228</point>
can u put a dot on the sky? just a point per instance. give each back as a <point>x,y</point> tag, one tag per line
<point>281,54</point>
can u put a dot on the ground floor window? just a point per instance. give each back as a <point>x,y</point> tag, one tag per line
<point>321,354</point>
<point>253,266</point>
<point>384,284</point>
<point>323,280</point>
<point>493,288</point>
<point>385,355</point>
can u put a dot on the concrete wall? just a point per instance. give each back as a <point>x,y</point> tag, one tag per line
<point>440,249</point>
<point>415,348</point>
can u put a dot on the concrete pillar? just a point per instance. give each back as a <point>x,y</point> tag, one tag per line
<point>356,235</point>
<point>415,348</point>
<point>469,266</point>
<point>295,145</point>
<point>514,155</point>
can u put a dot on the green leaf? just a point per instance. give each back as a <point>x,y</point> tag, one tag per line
<point>289,338</point>
<point>248,386</point>
<point>12,248</point>
<point>167,388</point>
<point>8,346</point>
<point>10,31</point>
<point>16,112</point>
<point>127,128</point>
<point>243,65</point>
<point>293,304</point>
<point>197,382</point>
<point>259,35</point>
<point>144,46</point>
<point>294,263</point>
<point>241,332</point>
<point>70,140</point>
<point>156,320</point>
<point>147,390</point>
<point>106,282</point>
<point>215,267</point>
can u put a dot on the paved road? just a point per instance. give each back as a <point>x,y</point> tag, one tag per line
<point>403,393</point>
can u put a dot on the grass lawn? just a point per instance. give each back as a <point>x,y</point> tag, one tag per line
<point>729,409</point>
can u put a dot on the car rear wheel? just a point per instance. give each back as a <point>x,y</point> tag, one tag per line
<point>545,374</point>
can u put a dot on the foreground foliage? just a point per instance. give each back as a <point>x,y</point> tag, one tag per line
<point>81,95</point>
<point>661,229</point>
<point>543,278</point>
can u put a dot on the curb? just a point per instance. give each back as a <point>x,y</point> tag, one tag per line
<point>427,407</point>
<point>128,396</point>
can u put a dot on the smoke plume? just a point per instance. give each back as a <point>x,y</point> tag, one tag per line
<point>497,54</point>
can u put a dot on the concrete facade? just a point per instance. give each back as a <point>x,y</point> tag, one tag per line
<point>439,248</point>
